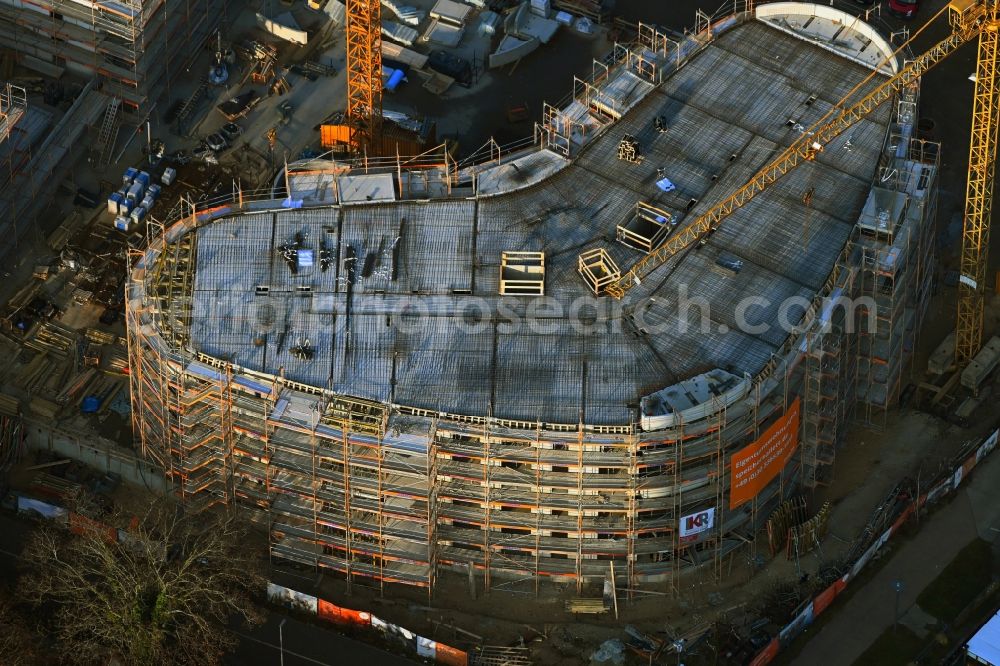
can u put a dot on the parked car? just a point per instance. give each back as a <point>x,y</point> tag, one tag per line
<point>904,8</point>
<point>231,131</point>
<point>216,142</point>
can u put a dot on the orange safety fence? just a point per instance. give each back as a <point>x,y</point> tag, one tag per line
<point>84,526</point>
<point>822,601</point>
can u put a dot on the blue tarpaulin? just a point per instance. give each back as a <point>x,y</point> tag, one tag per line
<point>665,185</point>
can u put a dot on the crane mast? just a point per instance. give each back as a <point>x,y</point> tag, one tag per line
<point>978,194</point>
<point>364,74</point>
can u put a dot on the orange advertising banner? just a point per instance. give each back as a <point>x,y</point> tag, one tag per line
<point>332,613</point>
<point>753,467</point>
<point>450,656</point>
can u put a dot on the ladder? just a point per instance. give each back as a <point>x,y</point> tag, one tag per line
<point>109,131</point>
<point>185,115</point>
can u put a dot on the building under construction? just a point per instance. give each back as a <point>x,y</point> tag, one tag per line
<point>35,149</point>
<point>405,367</point>
<point>135,47</point>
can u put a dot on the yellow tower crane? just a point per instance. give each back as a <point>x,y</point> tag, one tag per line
<point>968,19</point>
<point>979,188</point>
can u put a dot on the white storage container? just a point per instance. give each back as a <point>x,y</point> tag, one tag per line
<point>135,192</point>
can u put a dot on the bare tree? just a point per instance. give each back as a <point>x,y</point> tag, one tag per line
<point>162,593</point>
<point>18,641</point>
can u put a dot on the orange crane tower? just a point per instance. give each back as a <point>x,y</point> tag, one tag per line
<point>364,75</point>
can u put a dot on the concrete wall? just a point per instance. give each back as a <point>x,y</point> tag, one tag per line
<point>778,10</point>
<point>95,452</point>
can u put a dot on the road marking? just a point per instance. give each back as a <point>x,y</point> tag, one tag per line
<point>287,651</point>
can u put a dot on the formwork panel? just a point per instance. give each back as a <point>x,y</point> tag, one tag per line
<point>361,354</point>
<point>439,366</point>
<point>540,373</point>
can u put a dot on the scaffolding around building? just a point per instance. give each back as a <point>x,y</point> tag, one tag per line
<point>13,104</point>
<point>137,47</point>
<point>396,490</point>
<point>385,493</point>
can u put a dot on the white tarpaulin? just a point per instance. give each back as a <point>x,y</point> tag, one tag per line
<point>426,648</point>
<point>283,596</point>
<point>283,26</point>
<point>44,509</point>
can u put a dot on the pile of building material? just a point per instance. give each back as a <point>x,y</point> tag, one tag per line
<point>399,33</point>
<point>136,197</point>
<point>595,10</point>
<point>9,405</point>
<point>406,14</point>
<point>404,55</point>
<point>488,22</point>
<point>284,27</point>
<point>53,486</point>
<point>262,57</point>
<point>525,30</point>
<point>447,26</point>
<point>52,339</point>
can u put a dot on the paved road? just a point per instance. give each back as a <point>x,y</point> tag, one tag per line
<point>306,644</point>
<point>857,623</point>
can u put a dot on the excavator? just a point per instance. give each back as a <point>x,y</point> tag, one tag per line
<point>968,20</point>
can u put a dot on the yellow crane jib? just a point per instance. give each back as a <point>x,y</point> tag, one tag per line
<point>968,19</point>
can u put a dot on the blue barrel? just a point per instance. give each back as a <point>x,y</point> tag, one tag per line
<point>395,79</point>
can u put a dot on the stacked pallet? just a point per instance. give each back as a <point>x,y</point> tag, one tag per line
<point>592,9</point>
<point>44,408</point>
<point>9,405</point>
<point>82,296</point>
<point>75,386</point>
<point>587,606</point>
<point>53,486</point>
<point>99,337</point>
<point>34,372</point>
<point>52,339</point>
<point>115,361</point>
